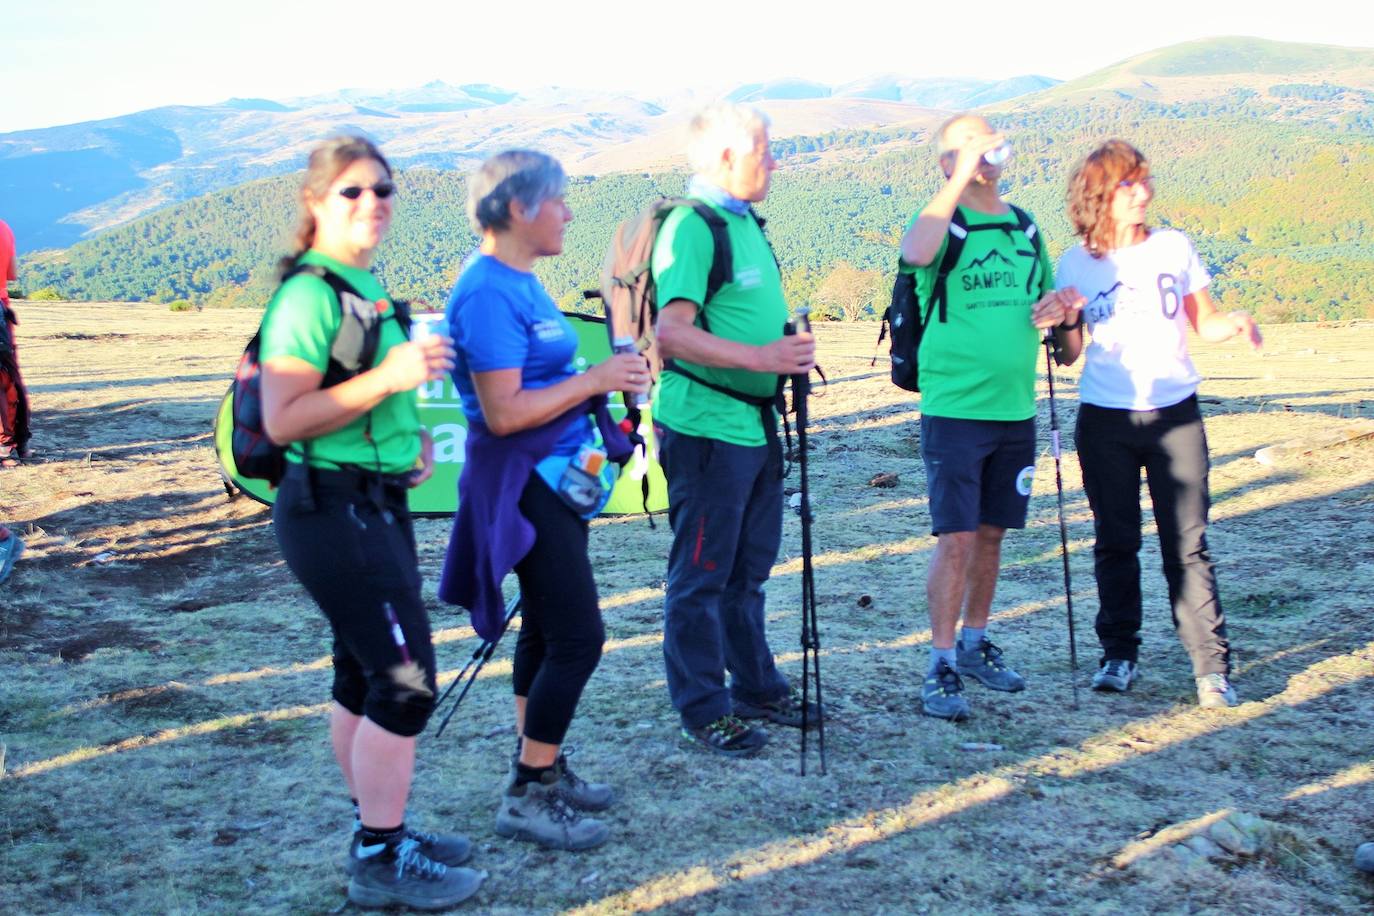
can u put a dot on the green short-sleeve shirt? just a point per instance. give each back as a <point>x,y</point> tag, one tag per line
<point>749,308</point>
<point>301,321</point>
<point>980,363</point>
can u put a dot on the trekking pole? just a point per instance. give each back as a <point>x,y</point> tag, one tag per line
<point>480,656</point>
<point>1063,527</point>
<point>810,628</point>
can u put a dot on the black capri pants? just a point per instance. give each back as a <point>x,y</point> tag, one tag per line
<point>561,633</point>
<point>347,537</point>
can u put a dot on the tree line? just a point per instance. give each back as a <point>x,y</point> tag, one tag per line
<point>1270,204</point>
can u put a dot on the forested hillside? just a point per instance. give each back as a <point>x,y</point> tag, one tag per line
<point>1280,209</point>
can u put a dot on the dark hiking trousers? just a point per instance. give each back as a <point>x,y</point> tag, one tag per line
<point>1170,444</point>
<point>725,509</point>
<point>561,633</point>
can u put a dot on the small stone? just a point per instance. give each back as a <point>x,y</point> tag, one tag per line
<point>796,501</point>
<point>1232,840</point>
<point>885,481</point>
<point>865,601</point>
<point>1204,847</point>
<point>1364,857</point>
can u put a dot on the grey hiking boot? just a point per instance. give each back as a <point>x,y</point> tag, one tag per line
<point>581,794</point>
<point>540,812</point>
<point>984,664</point>
<point>406,877</point>
<point>445,848</point>
<point>1214,691</point>
<point>942,694</point>
<point>586,796</point>
<point>785,710</point>
<point>728,736</point>
<point>1116,675</point>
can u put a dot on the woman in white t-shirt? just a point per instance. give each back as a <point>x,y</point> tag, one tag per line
<point>1139,290</point>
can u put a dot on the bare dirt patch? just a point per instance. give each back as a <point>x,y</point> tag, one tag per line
<point>163,676</point>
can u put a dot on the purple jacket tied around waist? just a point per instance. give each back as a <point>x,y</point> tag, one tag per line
<point>489,534</point>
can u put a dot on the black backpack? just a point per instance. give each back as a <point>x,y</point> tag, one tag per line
<point>904,318</point>
<point>354,348</point>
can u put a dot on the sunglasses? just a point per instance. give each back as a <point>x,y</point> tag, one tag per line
<point>382,190</point>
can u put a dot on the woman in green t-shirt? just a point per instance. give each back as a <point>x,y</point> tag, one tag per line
<point>343,524</point>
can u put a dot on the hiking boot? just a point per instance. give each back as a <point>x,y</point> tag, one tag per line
<point>407,877</point>
<point>10,549</point>
<point>984,664</point>
<point>582,795</point>
<point>727,736</point>
<point>942,694</point>
<point>1115,675</point>
<point>1214,691</point>
<point>540,812</point>
<point>785,710</point>
<point>445,848</point>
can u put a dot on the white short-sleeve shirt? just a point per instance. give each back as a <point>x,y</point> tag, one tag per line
<point>1138,356</point>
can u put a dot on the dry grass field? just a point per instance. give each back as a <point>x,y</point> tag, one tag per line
<point>163,678</point>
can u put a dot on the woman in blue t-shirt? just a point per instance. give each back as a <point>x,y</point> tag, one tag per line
<point>1139,290</point>
<point>527,410</point>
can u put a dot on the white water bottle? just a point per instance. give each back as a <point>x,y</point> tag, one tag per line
<point>627,345</point>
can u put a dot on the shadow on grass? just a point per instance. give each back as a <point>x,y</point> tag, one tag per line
<point>128,383</point>
<point>700,882</point>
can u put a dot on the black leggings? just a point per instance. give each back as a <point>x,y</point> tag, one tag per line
<point>348,539</point>
<point>561,631</point>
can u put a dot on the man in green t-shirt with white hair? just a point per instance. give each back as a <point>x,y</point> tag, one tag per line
<point>977,376</point>
<point>720,453</point>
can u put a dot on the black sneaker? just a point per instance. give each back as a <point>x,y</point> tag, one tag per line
<point>727,736</point>
<point>942,694</point>
<point>444,848</point>
<point>984,664</point>
<point>406,877</point>
<point>785,710</point>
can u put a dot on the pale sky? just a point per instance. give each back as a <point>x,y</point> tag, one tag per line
<point>63,61</point>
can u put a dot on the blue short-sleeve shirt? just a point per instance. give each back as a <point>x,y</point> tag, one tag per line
<point>502,318</point>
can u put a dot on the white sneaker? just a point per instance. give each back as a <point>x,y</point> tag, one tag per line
<point>1115,675</point>
<point>1214,691</point>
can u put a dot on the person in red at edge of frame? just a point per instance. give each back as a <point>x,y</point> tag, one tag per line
<point>14,400</point>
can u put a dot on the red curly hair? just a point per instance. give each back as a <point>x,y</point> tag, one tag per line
<point>1093,185</point>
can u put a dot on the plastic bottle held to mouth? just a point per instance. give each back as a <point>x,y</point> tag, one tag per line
<point>998,155</point>
<point>627,345</point>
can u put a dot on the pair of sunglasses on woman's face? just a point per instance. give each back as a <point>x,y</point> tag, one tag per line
<point>381,190</point>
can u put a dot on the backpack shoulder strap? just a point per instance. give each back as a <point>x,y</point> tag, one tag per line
<point>1027,227</point>
<point>722,258</point>
<point>954,247</point>
<point>372,337</point>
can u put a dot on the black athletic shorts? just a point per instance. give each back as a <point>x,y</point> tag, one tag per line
<point>978,472</point>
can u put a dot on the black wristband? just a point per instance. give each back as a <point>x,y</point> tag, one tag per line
<point>1071,327</point>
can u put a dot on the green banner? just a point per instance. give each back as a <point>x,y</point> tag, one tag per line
<point>441,413</point>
